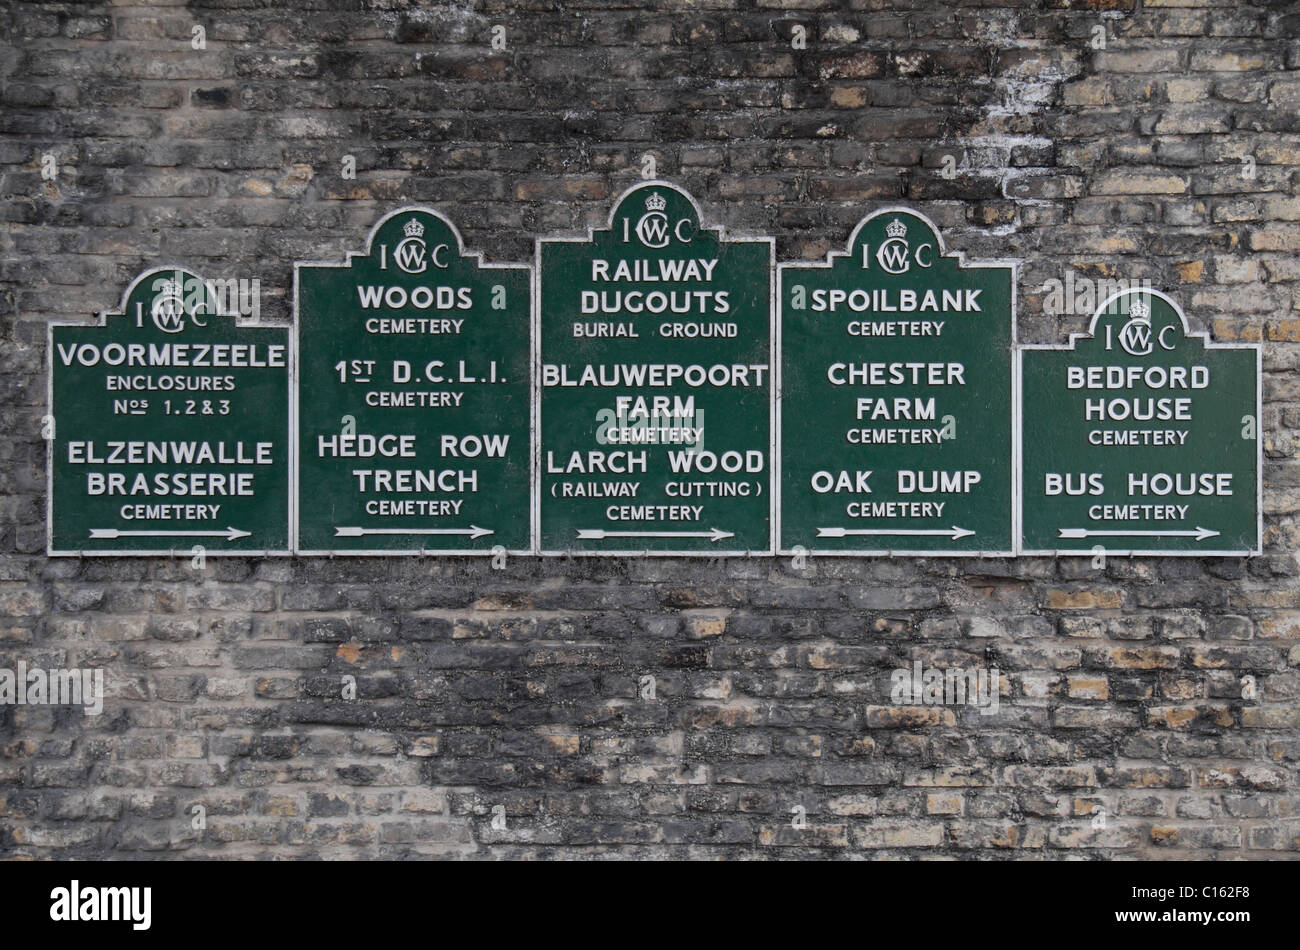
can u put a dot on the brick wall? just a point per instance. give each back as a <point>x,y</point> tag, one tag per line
<point>1170,154</point>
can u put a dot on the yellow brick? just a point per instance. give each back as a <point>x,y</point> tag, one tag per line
<point>1284,331</point>
<point>1088,687</point>
<point>849,97</point>
<point>708,626</point>
<point>943,803</point>
<point>425,746</point>
<point>1138,182</point>
<point>564,745</point>
<point>1084,599</point>
<point>1089,92</point>
<point>1234,330</point>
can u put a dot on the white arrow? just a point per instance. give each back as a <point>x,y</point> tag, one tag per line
<point>109,534</point>
<point>954,532</point>
<point>474,531</point>
<point>1200,534</point>
<point>599,534</point>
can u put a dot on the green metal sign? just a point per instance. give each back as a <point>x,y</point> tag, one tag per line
<point>896,397</point>
<point>1141,437</point>
<point>655,390</point>
<point>630,398</point>
<point>413,416</point>
<point>169,426</point>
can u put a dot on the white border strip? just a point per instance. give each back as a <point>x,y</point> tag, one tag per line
<point>462,252</point>
<point>960,258</point>
<point>773,359</point>
<point>1259,434</point>
<point>101,320</point>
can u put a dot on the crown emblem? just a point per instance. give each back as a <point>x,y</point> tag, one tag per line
<point>1139,310</point>
<point>656,202</point>
<point>413,228</point>
<point>896,229</point>
<point>170,288</point>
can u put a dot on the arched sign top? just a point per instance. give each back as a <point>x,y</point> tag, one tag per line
<point>170,298</point>
<point>416,242</point>
<point>1140,320</point>
<point>896,241</point>
<point>655,216</point>
<point>394,226</point>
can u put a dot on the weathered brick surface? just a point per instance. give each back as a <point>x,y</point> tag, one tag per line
<point>1126,727</point>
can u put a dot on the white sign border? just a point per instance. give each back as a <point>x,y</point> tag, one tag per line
<point>101,320</point>
<point>960,258</point>
<point>773,360</point>
<point>294,477</point>
<point>1209,344</point>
